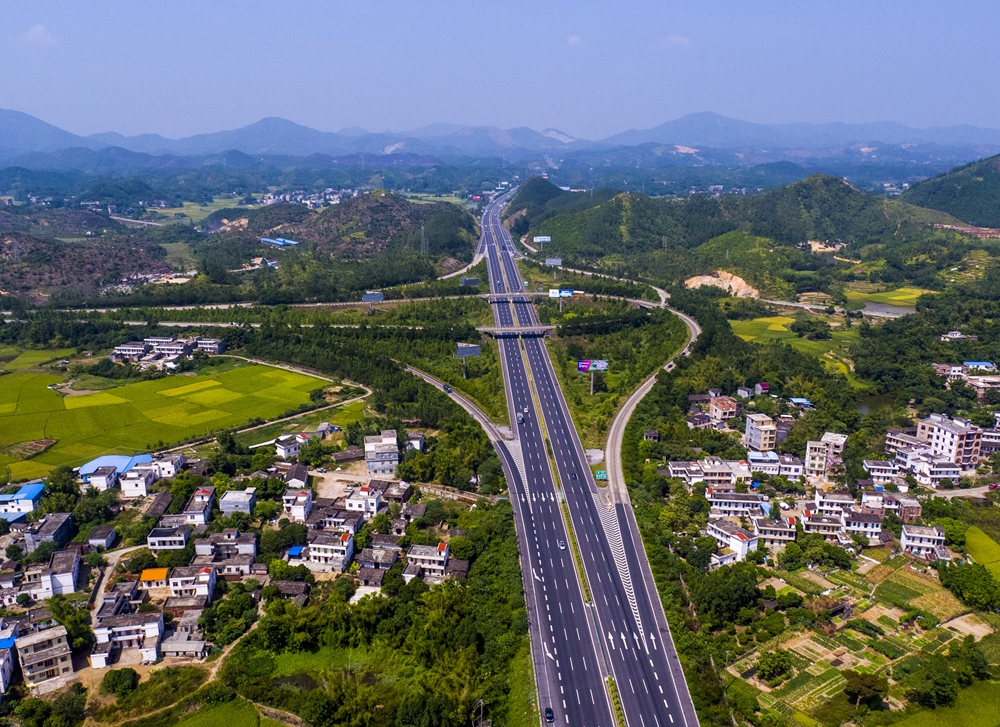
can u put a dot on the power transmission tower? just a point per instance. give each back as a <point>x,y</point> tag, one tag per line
<point>16,251</point>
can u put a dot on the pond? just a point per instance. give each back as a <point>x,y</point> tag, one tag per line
<point>868,404</point>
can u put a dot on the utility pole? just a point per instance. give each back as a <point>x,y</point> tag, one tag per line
<point>423,241</point>
<point>591,382</point>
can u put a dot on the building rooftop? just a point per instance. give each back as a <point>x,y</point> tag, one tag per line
<point>40,637</point>
<point>101,532</point>
<point>154,574</point>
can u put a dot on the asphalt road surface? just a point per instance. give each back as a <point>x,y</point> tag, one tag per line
<point>623,631</point>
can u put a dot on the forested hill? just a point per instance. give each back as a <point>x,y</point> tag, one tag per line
<point>803,237</point>
<point>970,193</point>
<point>357,227</point>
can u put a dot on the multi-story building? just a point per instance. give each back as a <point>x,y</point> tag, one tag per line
<point>56,527</point>
<point>382,453</point>
<point>364,500</point>
<point>23,501</point>
<point>57,577</point>
<point>287,446</point>
<point>896,438</point>
<point>8,638</point>
<point>882,472</point>
<point>193,582</point>
<point>866,524</point>
<point>46,661</point>
<point>140,631</point>
<point>136,481</point>
<point>426,561</point>
<point>833,503</point>
<point>226,544</point>
<point>957,440</point>
<point>906,507</point>
<point>761,433</point>
<point>133,350</point>
<point>238,501</point>
<point>923,542</point>
<point>329,551</point>
<point>723,408</point>
<point>163,539</point>
<point>775,533</point>
<point>816,459</point>
<point>733,504</point>
<point>211,345</point>
<point>732,537</point>
<point>831,527</point>
<point>230,552</point>
<point>772,463</point>
<point>297,504</point>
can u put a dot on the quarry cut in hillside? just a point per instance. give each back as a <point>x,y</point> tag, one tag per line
<point>732,284</point>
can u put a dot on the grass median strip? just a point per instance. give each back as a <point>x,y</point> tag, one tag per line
<point>616,702</point>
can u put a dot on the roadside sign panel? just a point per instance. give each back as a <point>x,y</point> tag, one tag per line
<point>565,293</point>
<point>554,293</point>
<point>543,238</point>
<point>601,475</point>
<point>465,350</point>
<point>582,367</point>
<point>372,296</point>
<point>598,365</point>
<point>553,262</point>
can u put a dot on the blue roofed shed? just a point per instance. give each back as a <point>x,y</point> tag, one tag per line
<point>120,462</point>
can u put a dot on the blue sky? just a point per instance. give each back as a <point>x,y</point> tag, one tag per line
<point>590,69</point>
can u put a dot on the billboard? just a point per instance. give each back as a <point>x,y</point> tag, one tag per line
<point>553,262</point>
<point>469,282</point>
<point>560,293</point>
<point>543,238</point>
<point>587,365</point>
<point>372,296</point>
<point>465,350</point>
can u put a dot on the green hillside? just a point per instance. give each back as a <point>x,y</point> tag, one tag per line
<point>971,193</point>
<point>821,235</point>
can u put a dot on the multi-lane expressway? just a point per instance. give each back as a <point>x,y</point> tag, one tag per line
<point>622,631</point>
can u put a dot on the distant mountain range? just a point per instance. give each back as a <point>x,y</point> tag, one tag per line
<point>704,138</point>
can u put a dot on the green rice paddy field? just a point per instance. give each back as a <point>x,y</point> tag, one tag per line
<point>984,549</point>
<point>906,297</point>
<point>136,416</point>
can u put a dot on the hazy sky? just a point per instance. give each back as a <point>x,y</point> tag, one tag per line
<point>590,69</point>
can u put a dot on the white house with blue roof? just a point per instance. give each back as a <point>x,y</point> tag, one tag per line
<point>15,506</point>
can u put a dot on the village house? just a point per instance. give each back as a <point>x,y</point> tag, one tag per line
<point>297,504</point>
<point>382,453</point>
<point>238,501</point>
<point>774,533</point>
<point>102,537</point>
<point>46,661</point>
<point>427,562</point>
<point>328,551</point>
<point>733,504</point>
<point>732,538</point>
<point>865,524</point>
<point>297,477</point>
<point>141,631</point>
<point>761,434</point>
<point>163,539</point>
<point>923,542</point>
<point>723,408</point>
<point>56,527</point>
<point>365,500</point>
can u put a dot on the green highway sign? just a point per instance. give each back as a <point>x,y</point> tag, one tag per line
<point>601,475</point>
